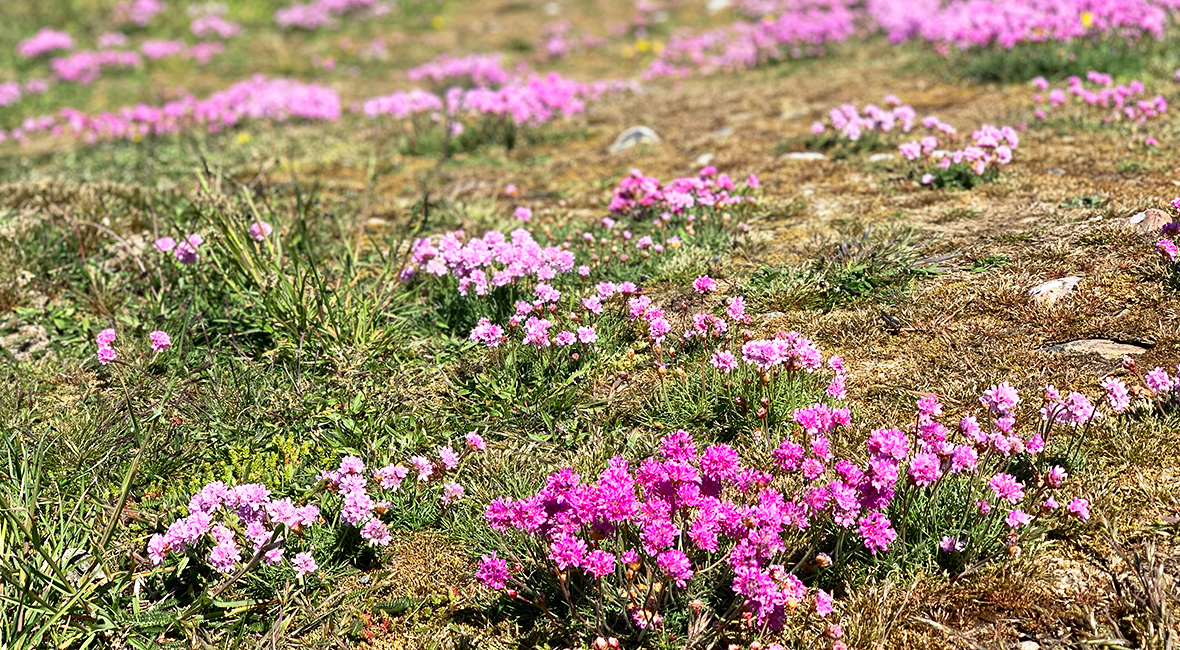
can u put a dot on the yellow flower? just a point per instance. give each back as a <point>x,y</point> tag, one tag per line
<point>437,22</point>
<point>642,45</point>
<point>243,138</point>
<point>657,47</point>
<point>1087,19</point>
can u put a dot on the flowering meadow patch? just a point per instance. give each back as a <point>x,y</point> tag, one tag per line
<point>648,539</point>
<point>1097,96</point>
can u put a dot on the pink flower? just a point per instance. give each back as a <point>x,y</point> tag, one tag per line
<point>376,533</point>
<point>587,335</point>
<point>523,213</point>
<point>704,284</point>
<point>449,458</point>
<point>1080,508</point>
<point>1017,518</point>
<point>724,361</point>
<point>105,338</point>
<point>304,564</point>
<point>1168,249</point>
<point>1007,487</point>
<point>260,230</point>
<point>452,492</point>
<point>927,179</point>
<point>160,341</point>
<point>106,355</point>
<point>165,244</point>
<point>823,603</point>
<point>475,441</point>
<point>564,338</point>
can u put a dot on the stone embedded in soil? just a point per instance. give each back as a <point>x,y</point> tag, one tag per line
<point>1057,171</point>
<point>1050,292</point>
<point>881,157</point>
<point>1029,645</point>
<point>805,155</point>
<point>633,136</point>
<point>704,160</point>
<point>1104,348</point>
<point>1150,221</point>
<point>714,6</point>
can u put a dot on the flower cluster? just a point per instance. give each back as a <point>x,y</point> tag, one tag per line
<point>851,124</point>
<point>85,66</point>
<point>185,251</point>
<point>1006,23</point>
<point>221,517</point>
<point>356,487</point>
<point>1127,102</point>
<point>1166,245</point>
<point>801,30</point>
<point>481,264</point>
<point>990,148</point>
<point>686,515</point>
<point>46,40</point>
<point>638,195</point>
<point>160,342</point>
<point>208,21</point>
<point>324,13</point>
<point>256,99</point>
<point>138,12</point>
<point>474,69</point>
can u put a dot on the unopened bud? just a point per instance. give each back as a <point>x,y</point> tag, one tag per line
<point>600,644</point>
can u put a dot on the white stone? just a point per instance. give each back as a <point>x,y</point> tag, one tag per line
<point>1105,348</point>
<point>633,136</point>
<point>704,160</point>
<point>1050,292</point>
<point>805,155</point>
<point>881,157</point>
<point>714,6</point>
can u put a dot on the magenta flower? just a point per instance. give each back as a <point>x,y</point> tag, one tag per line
<point>567,551</point>
<point>925,469</point>
<point>260,230</point>
<point>105,338</point>
<point>106,355</point>
<point>1080,508</point>
<point>677,565</point>
<point>1168,249</point>
<point>492,571</point>
<point>523,213</point>
<point>475,441</point>
<point>704,284</point>
<point>877,532</point>
<point>599,563</point>
<point>1001,399</point>
<point>1006,487</point>
<point>423,466</point>
<point>160,341</point>
<point>1017,518</point>
<point>823,603</point>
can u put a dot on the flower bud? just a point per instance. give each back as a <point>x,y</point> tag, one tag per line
<point>600,644</point>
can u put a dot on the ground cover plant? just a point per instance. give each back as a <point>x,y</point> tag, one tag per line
<point>363,323</point>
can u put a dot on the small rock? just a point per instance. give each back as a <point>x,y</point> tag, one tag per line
<point>704,160</point>
<point>1057,171</point>
<point>1051,291</point>
<point>1150,221</point>
<point>1029,645</point>
<point>633,136</point>
<point>714,6</point>
<point>881,157</point>
<point>805,155</point>
<point>552,8</point>
<point>1105,348</point>
<point>723,132</point>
